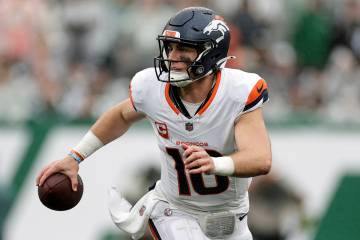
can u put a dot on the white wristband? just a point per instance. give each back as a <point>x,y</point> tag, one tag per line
<point>88,144</point>
<point>223,166</point>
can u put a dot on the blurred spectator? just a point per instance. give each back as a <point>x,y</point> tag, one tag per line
<point>279,69</point>
<point>341,92</point>
<point>236,49</point>
<point>24,52</point>
<point>85,30</point>
<point>97,36</point>
<point>347,27</point>
<point>76,58</point>
<point>19,94</point>
<point>250,28</point>
<point>150,16</point>
<point>313,35</point>
<point>308,91</point>
<point>276,22</point>
<point>275,210</point>
<point>119,58</point>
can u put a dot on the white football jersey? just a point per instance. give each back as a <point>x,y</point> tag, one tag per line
<point>234,93</point>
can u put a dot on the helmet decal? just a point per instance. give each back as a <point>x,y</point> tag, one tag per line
<point>218,26</point>
<point>170,33</point>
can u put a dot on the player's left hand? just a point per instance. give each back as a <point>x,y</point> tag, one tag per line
<point>197,160</point>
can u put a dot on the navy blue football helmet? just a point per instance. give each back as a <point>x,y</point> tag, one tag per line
<point>201,29</point>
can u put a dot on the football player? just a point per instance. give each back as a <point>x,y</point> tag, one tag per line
<point>209,126</point>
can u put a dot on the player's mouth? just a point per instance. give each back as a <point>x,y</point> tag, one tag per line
<point>175,69</point>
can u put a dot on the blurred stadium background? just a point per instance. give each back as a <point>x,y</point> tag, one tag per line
<point>62,63</point>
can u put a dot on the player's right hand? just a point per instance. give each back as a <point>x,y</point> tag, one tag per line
<point>67,166</point>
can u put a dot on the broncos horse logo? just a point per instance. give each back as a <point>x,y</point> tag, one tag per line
<point>216,26</point>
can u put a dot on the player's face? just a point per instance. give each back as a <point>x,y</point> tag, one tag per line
<point>181,55</point>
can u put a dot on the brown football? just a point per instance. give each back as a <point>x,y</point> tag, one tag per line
<point>56,192</point>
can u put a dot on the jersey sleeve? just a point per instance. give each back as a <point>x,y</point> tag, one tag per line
<point>138,90</point>
<point>252,93</point>
<point>257,96</point>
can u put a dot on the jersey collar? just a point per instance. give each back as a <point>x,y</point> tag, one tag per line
<point>175,103</point>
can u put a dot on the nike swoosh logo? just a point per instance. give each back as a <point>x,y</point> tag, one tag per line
<point>259,89</point>
<point>243,216</point>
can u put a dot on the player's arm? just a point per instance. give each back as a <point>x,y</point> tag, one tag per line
<point>116,121</point>
<point>111,125</point>
<point>253,157</point>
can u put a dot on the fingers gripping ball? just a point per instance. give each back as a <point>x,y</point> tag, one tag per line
<point>56,192</point>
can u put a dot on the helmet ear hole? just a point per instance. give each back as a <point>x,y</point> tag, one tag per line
<point>199,70</point>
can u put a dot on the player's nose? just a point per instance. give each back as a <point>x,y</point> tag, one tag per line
<point>174,55</point>
<point>177,64</point>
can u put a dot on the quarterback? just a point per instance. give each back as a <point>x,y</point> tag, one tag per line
<point>209,127</point>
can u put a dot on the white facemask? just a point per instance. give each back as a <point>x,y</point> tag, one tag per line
<point>176,77</point>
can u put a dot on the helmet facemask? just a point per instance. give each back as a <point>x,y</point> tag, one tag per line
<point>195,69</point>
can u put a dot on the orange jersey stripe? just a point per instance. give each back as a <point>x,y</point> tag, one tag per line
<point>256,91</point>
<point>168,99</point>
<point>213,94</point>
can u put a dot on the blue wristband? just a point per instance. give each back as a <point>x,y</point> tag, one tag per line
<point>75,157</point>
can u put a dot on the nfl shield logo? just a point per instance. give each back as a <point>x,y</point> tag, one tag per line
<point>189,126</point>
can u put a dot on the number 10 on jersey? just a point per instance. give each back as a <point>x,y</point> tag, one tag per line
<point>197,181</point>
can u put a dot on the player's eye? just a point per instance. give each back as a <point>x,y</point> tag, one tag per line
<point>187,48</point>
<point>184,48</point>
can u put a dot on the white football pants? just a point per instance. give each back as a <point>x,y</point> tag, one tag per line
<point>174,224</point>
